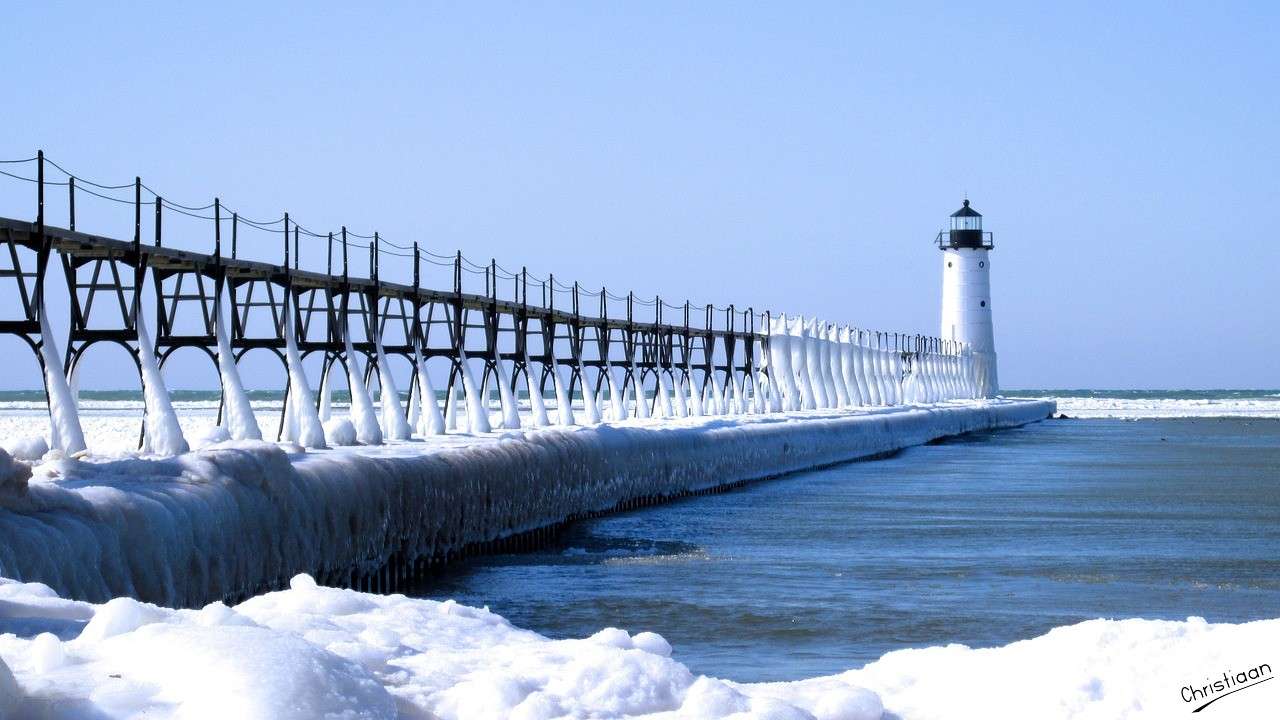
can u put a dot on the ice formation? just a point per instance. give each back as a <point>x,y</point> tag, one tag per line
<point>394,424</point>
<point>237,410</point>
<point>162,434</point>
<point>537,406</point>
<point>363,417</point>
<point>302,421</point>
<point>477,415</point>
<point>431,421</point>
<point>64,419</point>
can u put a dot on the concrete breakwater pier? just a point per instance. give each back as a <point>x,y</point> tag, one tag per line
<point>239,518</point>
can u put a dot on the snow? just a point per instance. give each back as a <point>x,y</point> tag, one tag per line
<point>13,475</point>
<point>25,447</point>
<point>339,432</point>
<point>316,652</point>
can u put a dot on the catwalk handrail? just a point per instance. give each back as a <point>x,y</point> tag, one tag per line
<point>542,302</point>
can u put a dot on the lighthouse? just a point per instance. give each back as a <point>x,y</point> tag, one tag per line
<point>966,293</point>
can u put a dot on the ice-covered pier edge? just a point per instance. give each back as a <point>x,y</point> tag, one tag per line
<point>242,517</point>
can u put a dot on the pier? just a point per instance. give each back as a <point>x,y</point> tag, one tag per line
<point>490,332</point>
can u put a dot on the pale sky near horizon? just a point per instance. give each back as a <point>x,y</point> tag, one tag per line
<point>799,157</point>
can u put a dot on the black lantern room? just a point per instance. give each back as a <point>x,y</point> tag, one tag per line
<point>966,230</point>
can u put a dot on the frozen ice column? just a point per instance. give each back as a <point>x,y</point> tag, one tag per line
<point>966,292</point>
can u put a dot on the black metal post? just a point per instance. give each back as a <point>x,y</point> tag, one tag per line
<point>159,203</point>
<point>344,254</point>
<point>137,215</point>
<point>71,201</point>
<point>217,230</point>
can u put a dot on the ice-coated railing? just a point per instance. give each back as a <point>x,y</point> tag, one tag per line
<point>513,360</point>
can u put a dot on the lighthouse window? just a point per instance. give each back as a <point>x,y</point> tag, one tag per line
<point>982,264</point>
<point>948,263</point>
<point>983,303</point>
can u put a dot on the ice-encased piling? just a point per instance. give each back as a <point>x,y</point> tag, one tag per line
<point>237,411</point>
<point>162,434</point>
<point>64,417</point>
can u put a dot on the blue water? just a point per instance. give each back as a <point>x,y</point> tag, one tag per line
<point>980,540</point>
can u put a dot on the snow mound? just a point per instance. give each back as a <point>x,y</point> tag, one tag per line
<point>30,448</point>
<point>13,476</point>
<point>340,432</point>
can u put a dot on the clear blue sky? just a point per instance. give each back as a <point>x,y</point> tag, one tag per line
<point>799,157</point>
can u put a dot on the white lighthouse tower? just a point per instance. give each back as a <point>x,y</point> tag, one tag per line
<point>966,293</point>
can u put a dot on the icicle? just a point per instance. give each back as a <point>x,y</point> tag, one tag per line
<point>451,408</point>
<point>163,434</point>
<point>394,424</point>
<point>431,422</point>
<point>363,417</point>
<point>564,402</point>
<point>641,402</point>
<point>886,377</point>
<point>717,396</point>
<point>845,350</point>
<point>662,406</point>
<point>695,397</point>
<point>800,358</point>
<point>737,404</point>
<point>759,394</point>
<point>415,408</point>
<point>679,395</point>
<point>866,361</point>
<point>781,377</point>
<point>617,399</point>
<point>477,415</point>
<point>510,412</point>
<point>326,396</point>
<point>830,398</point>
<point>64,417</point>
<point>589,406</point>
<point>835,368</point>
<point>536,404</point>
<point>308,430</point>
<point>237,411</point>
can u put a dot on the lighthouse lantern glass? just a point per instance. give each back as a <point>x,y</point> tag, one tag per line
<point>966,222</point>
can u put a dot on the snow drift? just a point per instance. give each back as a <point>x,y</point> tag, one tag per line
<point>314,652</point>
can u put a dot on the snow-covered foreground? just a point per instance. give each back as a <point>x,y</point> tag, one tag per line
<point>313,652</point>
<point>241,517</point>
